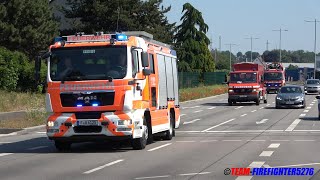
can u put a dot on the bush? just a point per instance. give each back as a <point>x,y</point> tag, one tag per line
<point>17,71</point>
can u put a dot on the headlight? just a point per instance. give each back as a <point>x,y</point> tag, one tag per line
<point>52,123</point>
<point>124,122</point>
<point>230,90</point>
<point>279,98</point>
<point>255,90</point>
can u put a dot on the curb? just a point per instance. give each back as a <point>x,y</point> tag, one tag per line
<point>31,129</point>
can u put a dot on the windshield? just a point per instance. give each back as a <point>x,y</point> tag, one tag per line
<point>243,77</point>
<point>291,90</point>
<point>88,63</point>
<point>313,82</point>
<point>272,76</point>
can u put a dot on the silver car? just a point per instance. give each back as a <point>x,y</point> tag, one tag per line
<point>290,96</point>
<point>312,86</point>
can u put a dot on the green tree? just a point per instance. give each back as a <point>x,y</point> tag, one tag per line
<point>124,15</point>
<point>292,67</point>
<point>26,26</point>
<point>192,42</point>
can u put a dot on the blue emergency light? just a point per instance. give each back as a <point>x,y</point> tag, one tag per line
<point>58,39</point>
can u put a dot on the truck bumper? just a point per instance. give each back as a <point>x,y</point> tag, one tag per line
<point>109,126</point>
<point>272,89</point>
<point>243,98</point>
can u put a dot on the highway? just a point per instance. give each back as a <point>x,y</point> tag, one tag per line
<point>212,137</point>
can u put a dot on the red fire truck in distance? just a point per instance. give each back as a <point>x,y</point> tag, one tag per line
<point>274,77</point>
<point>246,83</point>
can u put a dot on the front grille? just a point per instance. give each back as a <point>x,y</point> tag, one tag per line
<point>74,99</point>
<point>291,99</point>
<point>243,90</point>
<point>88,115</point>
<point>87,129</point>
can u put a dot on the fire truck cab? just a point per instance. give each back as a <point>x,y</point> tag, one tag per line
<point>111,87</point>
<point>274,77</point>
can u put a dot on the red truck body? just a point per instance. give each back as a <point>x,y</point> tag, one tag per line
<point>274,77</point>
<point>246,83</point>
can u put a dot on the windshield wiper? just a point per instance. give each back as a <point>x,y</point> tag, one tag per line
<point>75,78</point>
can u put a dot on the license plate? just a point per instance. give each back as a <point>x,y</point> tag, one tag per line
<point>289,102</point>
<point>87,123</point>
<point>243,96</point>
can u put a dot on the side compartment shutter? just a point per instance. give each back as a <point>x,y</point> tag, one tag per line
<point>162,81</point>
<point>175,81</point>
<point>169,77</point>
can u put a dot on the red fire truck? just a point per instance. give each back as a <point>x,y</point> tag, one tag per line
<point>246,83</point>
<point>274,77</point>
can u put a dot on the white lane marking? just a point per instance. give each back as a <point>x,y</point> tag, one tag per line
<point>185,141</point>
<point>194,107</point>
<point>218,125</point>
<point>39,147</point>
<point>239,131</point>
<point>187,131</point>
<point>41,132</point>
<point>182,115</point>
<point>274,146</point>
<point>262,121</point>
<point>189,122</point>
<point>308,107</point>
<point>266,153</point>
<point>257,164</point>
<point>192,174</point>
<point>5,142</point>
<point>284,140</point>
<point>302,115</point>
<point>153,177</point>
<point>101,167</point>
<point>257,140</point>
<point>211,108</point>
<point>293,125</point>
<point>297,165</point>
<point>208,141</point>
<point>239,107</point>
<point>306,140</point>
<point>266,166</point>
<point>5,154</point>
<point>231,140</point>
<point>243,115</point>
<point>11,134</point>
<point>261,108</point>
<point>305,111</point>
<point>311,104</point>
<point>273,102</point>
<point>159,147</point>
<point>198,111</point>
<point>221,100</point>
<point>268,104</point>
<point>254,111</point>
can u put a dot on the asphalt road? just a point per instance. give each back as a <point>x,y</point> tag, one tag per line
<point>213,136</point>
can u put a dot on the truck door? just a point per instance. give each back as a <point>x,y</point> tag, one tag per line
<point>152,82</point>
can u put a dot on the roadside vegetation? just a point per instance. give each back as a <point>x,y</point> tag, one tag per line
<point>201,92</point>
<point>32,118</point>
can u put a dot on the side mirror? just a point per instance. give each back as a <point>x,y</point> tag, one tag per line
<point>144,59</point>
<point>317,97</point>
<point>46,55</point>
<point>146,72</point>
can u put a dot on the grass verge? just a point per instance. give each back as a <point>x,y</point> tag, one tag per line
<point>13,101</point>
<point>33,118</point>
<point>201,92</point>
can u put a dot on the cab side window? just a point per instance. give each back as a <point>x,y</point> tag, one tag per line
<point>151,64</point>
<point>135,63</point>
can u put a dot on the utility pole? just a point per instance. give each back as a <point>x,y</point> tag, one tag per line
<point>280,30</point>
<point>220,43</point>
<point>251,38</point>
<point>268,45</point>
<point>315,46</point>
<point>230,52</point>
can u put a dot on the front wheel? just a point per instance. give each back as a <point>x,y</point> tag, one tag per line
<point>169,133</point>
<point>141,143</point>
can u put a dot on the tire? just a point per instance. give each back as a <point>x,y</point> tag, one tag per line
<point>229,102</point>
<point>169,133</point>
<point>62,146</point>
<point>258,102</point>
<point>141,143</point>
<point>265,100</point>
<point>150,135</point>
<point>268,92</point>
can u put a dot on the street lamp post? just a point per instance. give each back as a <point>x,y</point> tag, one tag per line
<point>280,30</point>
<point>251,38</point>
<point>230,53</point>
<point>315,46</point>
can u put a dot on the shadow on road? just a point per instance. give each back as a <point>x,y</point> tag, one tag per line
<point>44,146</point>
<point>309,118</point>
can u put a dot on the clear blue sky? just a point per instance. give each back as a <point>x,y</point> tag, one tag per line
<point>235,20</point>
